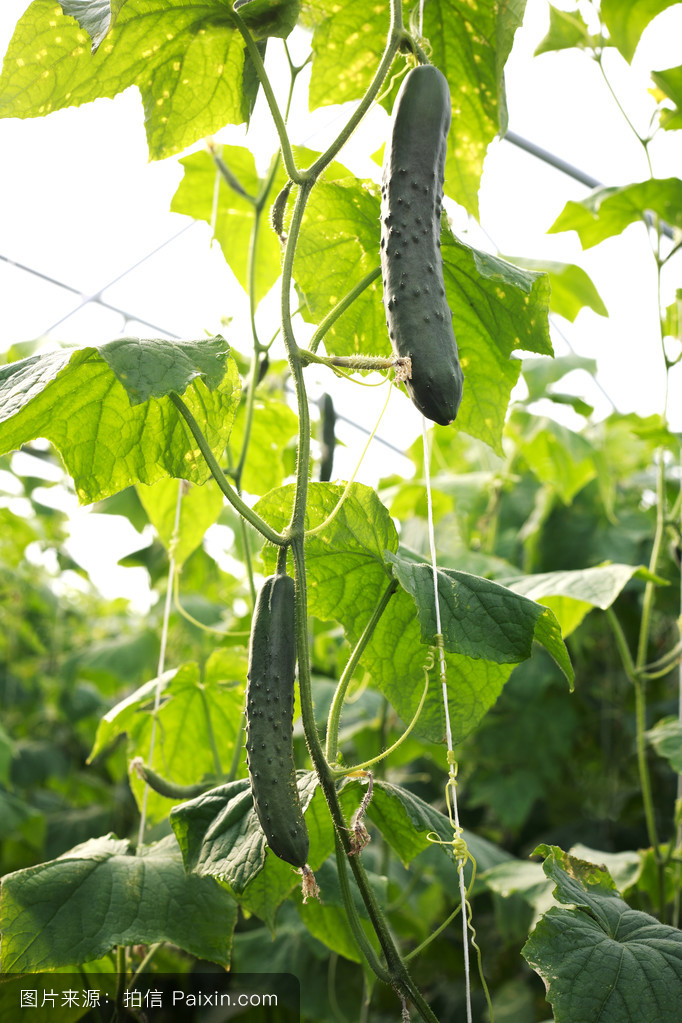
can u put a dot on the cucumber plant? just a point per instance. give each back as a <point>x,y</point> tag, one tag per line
<point>331,553</point>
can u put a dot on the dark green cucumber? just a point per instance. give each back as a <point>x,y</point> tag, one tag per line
<point>417,313</point>
<point>269,721</point>
<point>328,439</point>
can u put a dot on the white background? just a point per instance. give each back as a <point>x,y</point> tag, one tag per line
<point>81,203</point>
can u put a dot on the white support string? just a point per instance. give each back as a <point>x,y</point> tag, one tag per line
<point>452,776</point>
<point>162,654</point>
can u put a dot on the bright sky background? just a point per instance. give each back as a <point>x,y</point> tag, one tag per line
<point>80,202</point>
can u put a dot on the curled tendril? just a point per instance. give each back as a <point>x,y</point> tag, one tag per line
<point>459,847</point>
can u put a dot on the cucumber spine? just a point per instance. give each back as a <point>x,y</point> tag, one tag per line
<point>418,317</point>
<point>269,721</point>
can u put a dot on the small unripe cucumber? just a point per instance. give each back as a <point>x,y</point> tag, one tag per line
<point>418,317</point>
<point>269,721</point>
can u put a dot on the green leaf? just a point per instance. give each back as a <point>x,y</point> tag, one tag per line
<point>269,17</point>
<point>520,877</point>
<point>627,19</point>
<point>670,81</point>
<point>273,429</point>
<point>572,594</point>
<point>571,289</point>
<point>346,560</point>
<point>220,836</point>
<point>540,374</point>
<point>95,16</point>
<point>186,58</point>
<point>566,30</point>
<point>479,618</point>
<point>601,958</point>
<point>469,44</point>
<point>349,567</point>
<point>406,821</point>
<point>105,408</point>
<point>125,900</point>
<point>497,308</point>
<point>624,867</point>
<point>328,920</point>
<point>230,213</point>
<point>343,57</point>
<point>608,211</point>
<point>338,246</point>
<point>558,457</point>
<point>672,325</point>
<point>666,738</point>
<point>198,714</point>
<point>199,509</point>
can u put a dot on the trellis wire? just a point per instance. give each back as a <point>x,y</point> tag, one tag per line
<point>452,776</point>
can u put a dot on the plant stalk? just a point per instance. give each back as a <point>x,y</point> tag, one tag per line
<point>347,674</point>
<point>396,36</point>
<point>219,476</point>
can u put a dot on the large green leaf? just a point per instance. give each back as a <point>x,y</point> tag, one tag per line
<point>572,594</point>
<point>600,959</point>
<point>328,920</point>
<point>480,619</point>
<point>273,428</point>
<point>541,374</point>
<point>562,459</point>
<point>204,194</point>
<point>571,289</point>
<point>469,43</point>
<point>608,211</point>
<point>627,19</point>
<point>497,308</point>
<point>220,836</point>
<point>106,409</point>
<point>199,509</point>
<point>349,566</point>
<point>406,822</point>
<point>185,56</point>
<point>201,714</point>
<point>78,907</point>
<point>338,247</point>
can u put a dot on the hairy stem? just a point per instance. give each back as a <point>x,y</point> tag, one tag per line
<point>252,49</point>
<point>394,963</point>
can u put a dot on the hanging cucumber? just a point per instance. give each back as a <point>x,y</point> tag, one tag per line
<point>269,721</point>
<point>418,317</point>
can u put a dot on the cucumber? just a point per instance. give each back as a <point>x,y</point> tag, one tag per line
<point>418,317</point>
<point>328,422</point>
<point>269,721</point>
